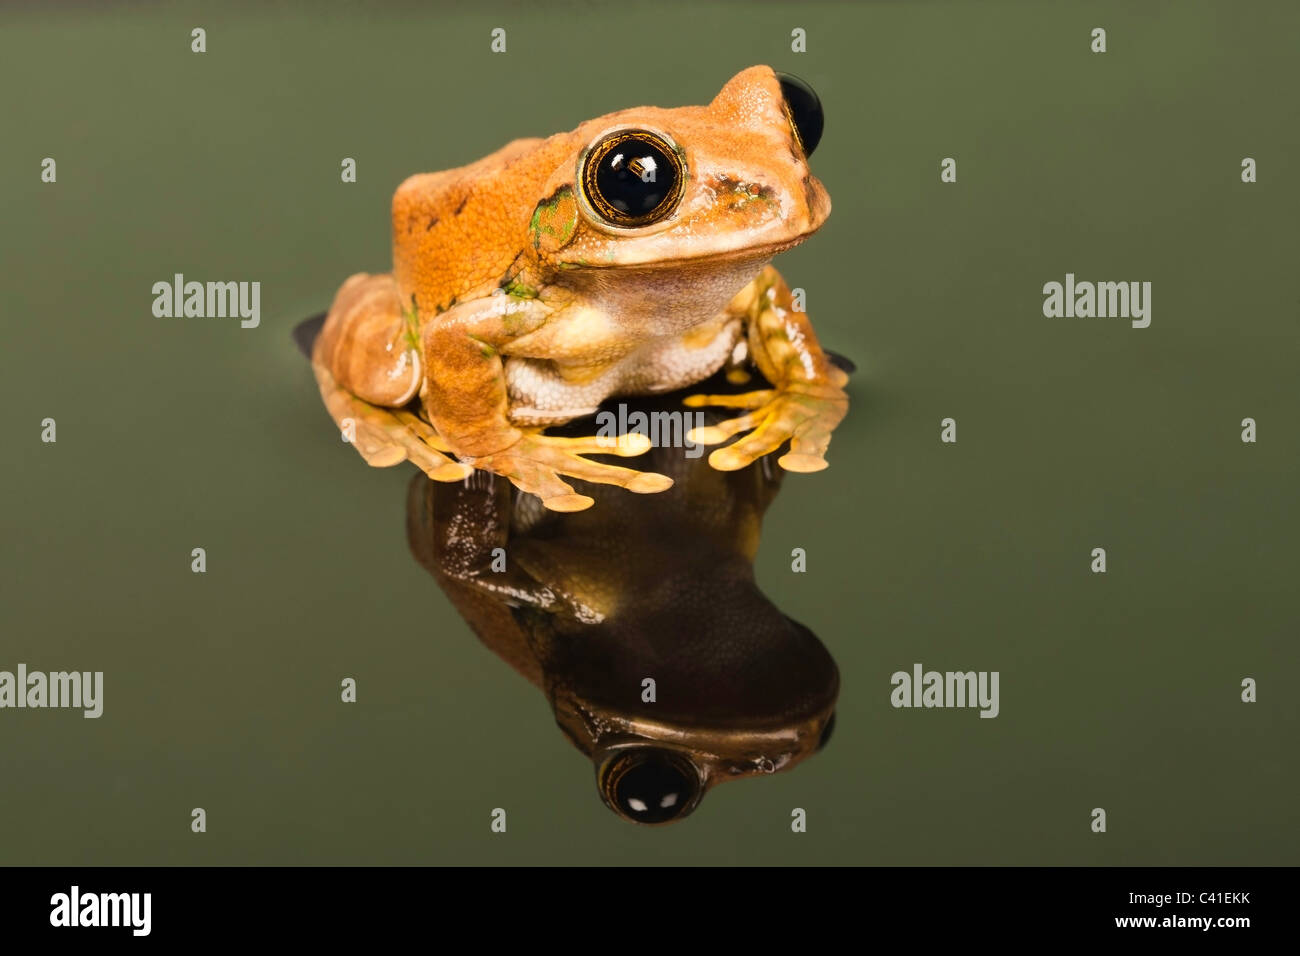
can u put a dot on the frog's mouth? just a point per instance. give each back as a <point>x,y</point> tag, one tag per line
<point>747,253</point>
<point>763,251</point>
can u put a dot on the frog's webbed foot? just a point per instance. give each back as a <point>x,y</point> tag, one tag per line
<point>802,414</point>
<point>535,463</point>
<point>388,436</point>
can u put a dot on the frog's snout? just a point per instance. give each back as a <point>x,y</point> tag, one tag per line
<point>650,785</point>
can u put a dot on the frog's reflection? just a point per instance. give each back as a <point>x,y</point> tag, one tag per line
<point>593,606</point>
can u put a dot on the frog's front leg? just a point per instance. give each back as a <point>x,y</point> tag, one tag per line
<point>807,400</point>
<point>466,399</point>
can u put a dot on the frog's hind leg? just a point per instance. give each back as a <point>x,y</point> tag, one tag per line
<point>368,372</point>
<point>387,436</point>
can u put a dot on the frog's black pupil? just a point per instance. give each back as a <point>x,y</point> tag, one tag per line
<point>805,110</point>
<point>655,789</point>
<point>636,177</point>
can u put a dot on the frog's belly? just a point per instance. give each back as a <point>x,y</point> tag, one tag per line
<point>541,394</point>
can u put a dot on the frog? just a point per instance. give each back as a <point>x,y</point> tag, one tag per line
<point>640,620</point>
<point>628,256</point>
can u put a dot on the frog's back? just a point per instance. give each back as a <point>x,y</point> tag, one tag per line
<point>456,232</point>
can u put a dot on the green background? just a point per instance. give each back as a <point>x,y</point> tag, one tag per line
<point>221,690</point>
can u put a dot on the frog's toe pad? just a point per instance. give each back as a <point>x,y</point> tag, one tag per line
<point>649,483</point>
<point>568,502</point>
<point>451,471</point>
<point>535,463</point>
<point>707,435</point>
<point>805,464</point>
<point>742,400</point>
<point>384,456</point>
<point>803,418</point>
<point>627,445</point>
<point>725,459</point>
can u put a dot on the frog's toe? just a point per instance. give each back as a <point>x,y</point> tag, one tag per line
<point>807,450</point>
<point>538,479</point>
<point>536,462</point>
<point>649,483</point>
<point>761,441</point>
<point>386,436</point>
<point>805,464</point>
<point>422,430</point>
<point>376,449</point>
<point>569,502</point>
<point>546,484</point>
<point>568,454</point>
<point>640,482</point>
<point>389,441</point>
<point>716,434</point>
<point>625,446</point>
<point>450,471</point>
<point>804,419</point>
<point>743,400</point>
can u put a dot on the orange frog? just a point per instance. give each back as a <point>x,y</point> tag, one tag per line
<point>629,256</point>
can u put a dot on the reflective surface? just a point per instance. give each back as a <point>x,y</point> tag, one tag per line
<point>639,619</point>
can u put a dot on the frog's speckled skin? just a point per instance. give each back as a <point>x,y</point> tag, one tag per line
<point>512,306</point>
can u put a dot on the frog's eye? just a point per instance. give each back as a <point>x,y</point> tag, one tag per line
<point>632,178</point>
<point>804,109</point>
<point>647,785</point>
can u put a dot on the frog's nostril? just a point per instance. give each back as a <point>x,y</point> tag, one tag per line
<point>804,109</point>
<point>650,786</point>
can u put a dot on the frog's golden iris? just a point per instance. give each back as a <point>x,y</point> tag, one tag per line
<point>632,178</point>
<point>649,785</point>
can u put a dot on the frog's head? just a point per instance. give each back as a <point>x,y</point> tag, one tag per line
<point>722,185</point>
<point>654,775</point>
<point>740,690</point>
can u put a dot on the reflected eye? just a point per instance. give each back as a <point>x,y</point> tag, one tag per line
<point>633,178</point>
<point>649,786</point>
